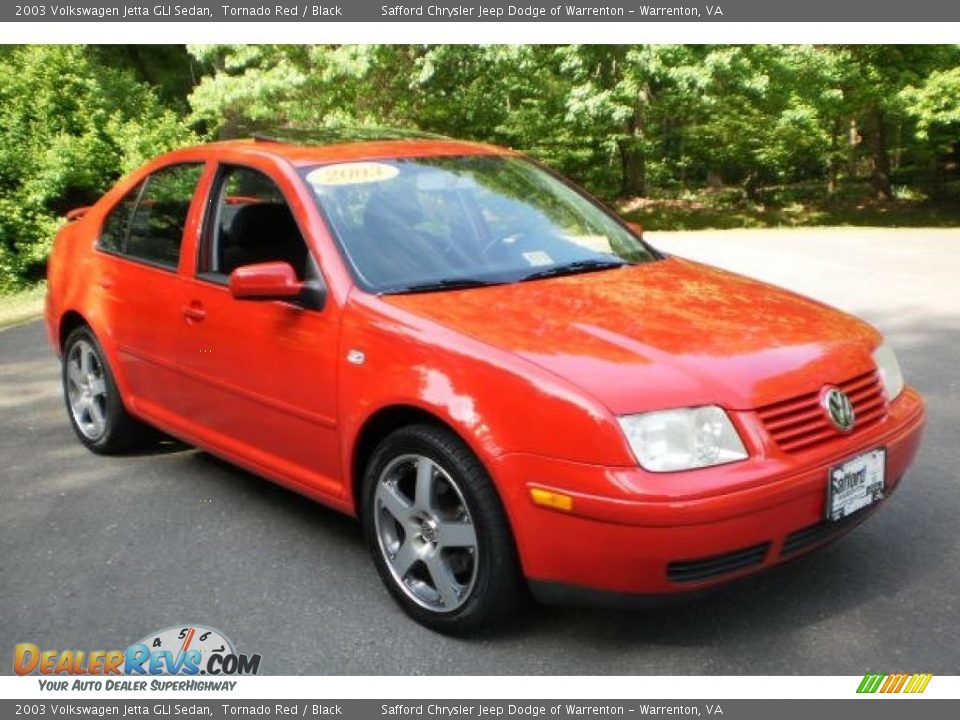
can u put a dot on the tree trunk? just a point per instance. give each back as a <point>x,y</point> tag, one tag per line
<point>833,159</point>
<point>633,156</point>
<point>832,176</point>
<point>751,186</point>
<point>880,178</point>
<point>634,167</point>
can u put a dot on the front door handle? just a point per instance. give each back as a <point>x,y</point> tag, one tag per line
<point>194,311</point>
<point>105,281</point>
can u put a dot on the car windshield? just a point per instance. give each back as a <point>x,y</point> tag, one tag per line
<point>428,224</point>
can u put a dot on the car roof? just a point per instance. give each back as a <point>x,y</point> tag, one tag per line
<point>302,147</point>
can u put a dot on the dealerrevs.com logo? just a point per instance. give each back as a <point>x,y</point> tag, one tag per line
<point>180,650</point>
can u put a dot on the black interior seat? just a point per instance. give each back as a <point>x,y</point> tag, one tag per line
<point>263,232</point>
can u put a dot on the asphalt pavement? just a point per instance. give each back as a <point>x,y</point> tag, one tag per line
<point>96,553</point>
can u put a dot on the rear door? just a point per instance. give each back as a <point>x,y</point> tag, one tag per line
<point>260,375</point>
<point>138,254</point>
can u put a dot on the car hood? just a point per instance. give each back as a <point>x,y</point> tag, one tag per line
<point>669,333</point>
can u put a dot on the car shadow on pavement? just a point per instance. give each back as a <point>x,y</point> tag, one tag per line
<point>155,443</point>
<point>292,504</point>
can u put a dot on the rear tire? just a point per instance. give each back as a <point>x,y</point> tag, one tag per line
<point>438,533</point>
<point>94,406</point>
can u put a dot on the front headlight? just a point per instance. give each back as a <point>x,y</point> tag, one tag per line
<point>890,373</point>
<point>683,439</point>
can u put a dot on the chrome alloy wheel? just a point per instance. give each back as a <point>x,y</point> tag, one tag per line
<point>425,533</point>
<point>87,390</point>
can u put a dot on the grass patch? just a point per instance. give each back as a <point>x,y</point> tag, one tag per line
<point>727,209</point>
<point>21,306</point>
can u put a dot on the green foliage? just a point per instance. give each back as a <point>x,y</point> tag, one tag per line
<point>935,102</point>
<point>621,119</point>
<point>69,127</point>
<point>744,122</point>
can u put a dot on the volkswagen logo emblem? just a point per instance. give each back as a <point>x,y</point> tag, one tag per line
<point>838,408</point>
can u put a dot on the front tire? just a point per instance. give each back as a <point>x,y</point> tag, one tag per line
<point>439,536</point>
<point>94,406</point>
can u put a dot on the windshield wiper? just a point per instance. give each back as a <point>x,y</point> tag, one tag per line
<point>447,284</point>
<point>580,266</point>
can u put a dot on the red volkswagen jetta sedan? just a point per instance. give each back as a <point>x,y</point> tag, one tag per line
<point>502,379</point>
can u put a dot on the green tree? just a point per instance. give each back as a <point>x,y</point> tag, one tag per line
<point>877,76</point>
<point>934,107</point>
<point>69,127</point>
<point>935,101</point>
<point>256,86</point>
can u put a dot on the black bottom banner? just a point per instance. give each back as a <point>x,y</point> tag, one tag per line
<point>874,708</point>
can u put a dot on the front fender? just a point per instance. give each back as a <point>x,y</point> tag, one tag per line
<point>497,402</point>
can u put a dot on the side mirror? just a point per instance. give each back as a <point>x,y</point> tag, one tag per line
<point>265,281</point>
<point>636,228</point>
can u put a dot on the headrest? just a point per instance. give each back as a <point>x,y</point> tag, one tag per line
<point>260,223</point>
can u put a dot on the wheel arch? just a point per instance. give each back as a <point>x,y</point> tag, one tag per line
<point>69,321</point>
<point>385,420</point>
<point>375,428</point>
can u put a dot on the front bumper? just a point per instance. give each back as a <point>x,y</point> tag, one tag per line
<point>632,532</point>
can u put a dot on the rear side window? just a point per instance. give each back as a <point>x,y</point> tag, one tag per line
<point>156,227</point>
<point>148,223</point>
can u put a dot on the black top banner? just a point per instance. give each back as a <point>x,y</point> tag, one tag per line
<point>486,11</point>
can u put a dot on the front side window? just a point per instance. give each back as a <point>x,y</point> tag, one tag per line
<point>252,223</point>
<point>429,223</point>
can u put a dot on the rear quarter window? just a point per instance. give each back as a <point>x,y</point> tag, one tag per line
<point>114,232</point>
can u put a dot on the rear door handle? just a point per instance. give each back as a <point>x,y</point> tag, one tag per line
<point>194,311</point>
<point>105,282</point>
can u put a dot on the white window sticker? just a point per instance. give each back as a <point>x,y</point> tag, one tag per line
<point>352,173</point>
<point>538,258</point>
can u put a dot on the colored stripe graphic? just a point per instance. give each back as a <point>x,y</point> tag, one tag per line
<point>894,683</point>
<point>921,683</point>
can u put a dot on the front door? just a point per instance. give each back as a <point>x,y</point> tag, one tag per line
<point>259,376</point>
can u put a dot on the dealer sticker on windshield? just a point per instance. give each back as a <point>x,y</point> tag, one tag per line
<point>352,173</point>
<point>537,258</point>
<point>856,483</point>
